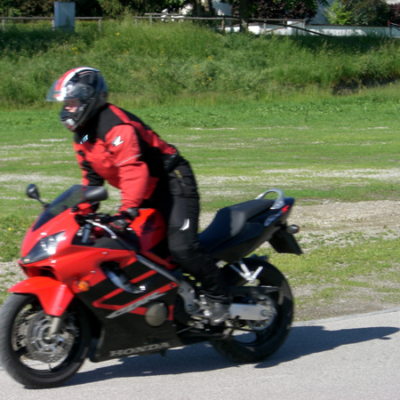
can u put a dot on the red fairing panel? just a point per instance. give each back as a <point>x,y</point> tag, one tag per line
<point>150,228</point>
<point>54,296</point>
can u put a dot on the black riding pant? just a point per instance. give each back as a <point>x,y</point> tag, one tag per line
<point>180,207</point>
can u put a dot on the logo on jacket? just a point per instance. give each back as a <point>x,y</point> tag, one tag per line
<point>117,141</point>
<point>85,139</point>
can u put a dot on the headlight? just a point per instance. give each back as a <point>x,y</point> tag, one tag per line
<point>45,248</point>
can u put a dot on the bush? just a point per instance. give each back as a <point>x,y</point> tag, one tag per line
<point>367,12</point>
<point>337,14</point>
<point>394,14</point>
<point>280,9</point>
<point>164,63</point>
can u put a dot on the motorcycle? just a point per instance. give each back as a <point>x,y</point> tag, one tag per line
<point>93,293</point>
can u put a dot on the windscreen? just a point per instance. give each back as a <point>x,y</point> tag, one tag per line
<point>73,196</point>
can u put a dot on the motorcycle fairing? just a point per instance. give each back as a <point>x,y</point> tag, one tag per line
<point>123,325</point>
<point>53,295</point>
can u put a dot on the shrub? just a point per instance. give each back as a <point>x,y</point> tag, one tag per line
<point>367,12</point>
<point>394,15</point>
<point>280,9</point>
<point>337,14</point>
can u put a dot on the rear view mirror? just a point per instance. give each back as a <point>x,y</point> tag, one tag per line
<point>95,193</point>
<point>33,192</point>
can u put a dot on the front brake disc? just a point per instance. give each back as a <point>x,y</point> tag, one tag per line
<point>45,349</point>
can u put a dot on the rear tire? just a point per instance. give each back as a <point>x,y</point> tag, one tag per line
<point>267,337</point>
<point>23,332</point>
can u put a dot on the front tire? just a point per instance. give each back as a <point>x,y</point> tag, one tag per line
<point>28,355</point>
<point>253,342</point>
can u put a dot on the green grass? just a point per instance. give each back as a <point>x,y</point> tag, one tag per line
<point>268,117</point>
<point>165,63</point>
<point>367,271</point>
<point>339,148</point>
<point>343,149</point>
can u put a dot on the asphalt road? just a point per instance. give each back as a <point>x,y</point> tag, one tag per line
<point>355,357</point>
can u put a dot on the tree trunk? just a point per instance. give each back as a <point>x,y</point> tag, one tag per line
<point>208,6</point>
<point>244,15</point>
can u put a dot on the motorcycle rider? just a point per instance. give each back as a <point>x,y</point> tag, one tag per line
<point>114,145</point>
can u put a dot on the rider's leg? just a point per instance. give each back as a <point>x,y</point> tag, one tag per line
<point>181,210</point>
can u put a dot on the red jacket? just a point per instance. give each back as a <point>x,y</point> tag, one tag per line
<point>118,147</point>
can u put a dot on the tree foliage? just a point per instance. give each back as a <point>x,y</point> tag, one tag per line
<point>301,9</point>
<point>364,12</point>
<point>8,9</point>
<point>337,14</point>
<point>295,9</point>
<point>271,9</point>
<point>116,8</point>
<point>45,8</point>
<point>29,8</point>
<point>394,15</point>
<point>84,8</point>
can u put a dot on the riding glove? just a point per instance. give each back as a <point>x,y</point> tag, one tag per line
<point>119,222</point>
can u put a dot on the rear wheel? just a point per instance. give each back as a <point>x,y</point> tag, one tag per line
<point>251,341</point>
<point>29,355</point>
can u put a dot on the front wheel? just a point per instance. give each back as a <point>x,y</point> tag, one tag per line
<point>29,355</point>
<point>250,341</point>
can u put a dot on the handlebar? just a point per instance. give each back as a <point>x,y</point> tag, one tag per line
<point>91,220</point>
<point>105,228</point>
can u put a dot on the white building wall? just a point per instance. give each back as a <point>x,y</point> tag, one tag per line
<point>223,8</point>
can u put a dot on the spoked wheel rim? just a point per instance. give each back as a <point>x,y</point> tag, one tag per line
<point>248,341</point>
<point>257,332</point>
<point>31,344</point>
<point>29,354</point>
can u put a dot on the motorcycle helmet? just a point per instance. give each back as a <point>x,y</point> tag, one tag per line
<point>83,91</point>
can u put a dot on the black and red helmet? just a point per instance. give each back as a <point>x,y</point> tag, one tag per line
<point>87,88</point>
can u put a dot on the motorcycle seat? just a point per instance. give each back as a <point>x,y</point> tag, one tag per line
<point>230,221</point>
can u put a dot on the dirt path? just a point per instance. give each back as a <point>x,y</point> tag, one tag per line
<point>364,215</point>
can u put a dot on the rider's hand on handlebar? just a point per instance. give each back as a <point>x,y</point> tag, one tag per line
<point>119,222</point>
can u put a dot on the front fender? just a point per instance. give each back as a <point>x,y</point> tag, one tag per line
<point>54,296</point>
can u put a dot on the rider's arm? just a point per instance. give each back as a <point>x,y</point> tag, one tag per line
<point>133,174</point>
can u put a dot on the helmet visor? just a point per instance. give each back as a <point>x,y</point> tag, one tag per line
<point>52,95</point>
<point>70,91</point>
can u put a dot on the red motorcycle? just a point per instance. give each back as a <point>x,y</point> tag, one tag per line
<point>93,293</point>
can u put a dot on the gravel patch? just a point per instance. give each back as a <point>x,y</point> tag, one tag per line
<point>10,274</point>
<point>322,219</point>
<point>392,174</point>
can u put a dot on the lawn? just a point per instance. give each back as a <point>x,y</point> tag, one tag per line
<point>318,150</point>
